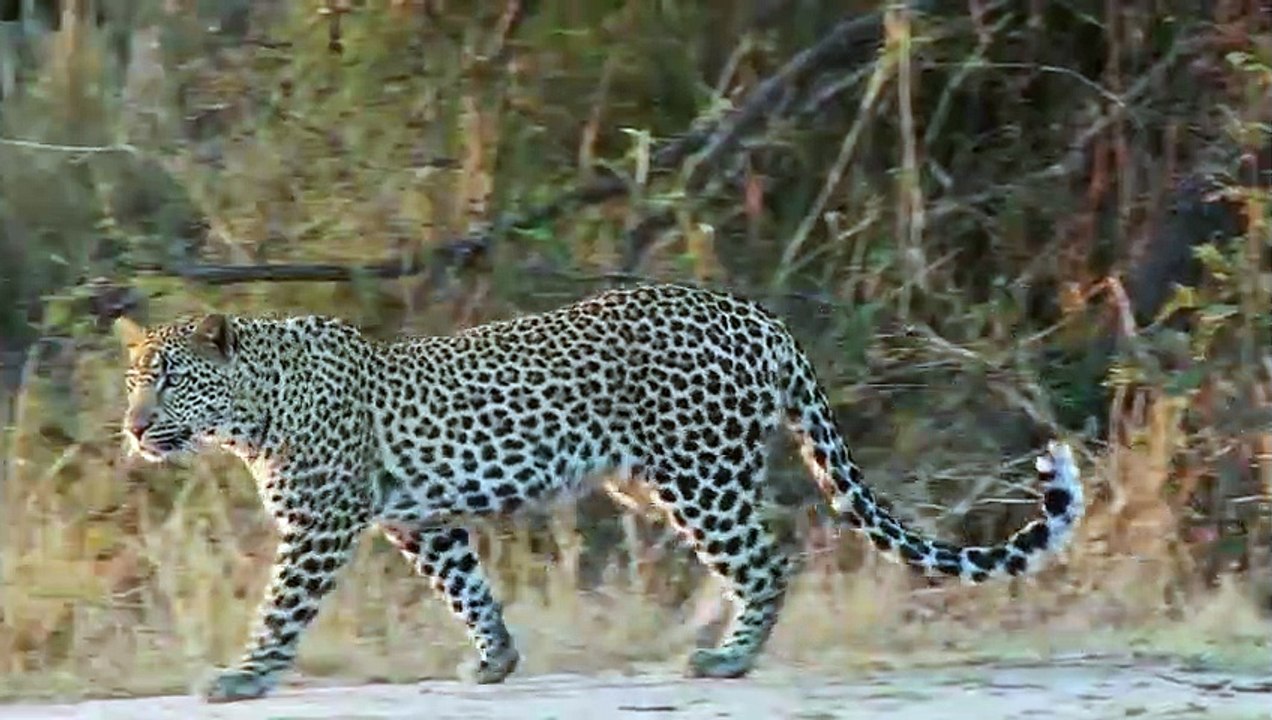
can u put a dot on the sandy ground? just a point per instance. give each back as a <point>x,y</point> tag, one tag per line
<point>1074,689</point>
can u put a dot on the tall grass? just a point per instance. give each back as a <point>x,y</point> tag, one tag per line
<point>122,578</point>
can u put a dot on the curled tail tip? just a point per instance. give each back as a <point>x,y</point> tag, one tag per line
<point>1060,471</point>
<point>1029,548</point>
<point>1026,551</point>
<point>1057,459</point>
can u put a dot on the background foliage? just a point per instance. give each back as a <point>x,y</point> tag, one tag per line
<point>990,222</point>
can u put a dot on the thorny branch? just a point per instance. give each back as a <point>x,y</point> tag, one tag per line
<point>1076,155</point>
<point>855,40</point>
<point>852,41</point>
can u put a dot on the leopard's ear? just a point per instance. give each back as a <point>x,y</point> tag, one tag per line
<point>214,338</point>
<point>129,332</point>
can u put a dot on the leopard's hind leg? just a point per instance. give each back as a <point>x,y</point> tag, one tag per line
<point>717,507</point>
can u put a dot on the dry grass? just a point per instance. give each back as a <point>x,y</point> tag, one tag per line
<point>122,579</point>
<point>118,579</point>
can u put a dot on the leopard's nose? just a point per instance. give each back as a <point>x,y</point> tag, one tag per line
<point>139,423</point>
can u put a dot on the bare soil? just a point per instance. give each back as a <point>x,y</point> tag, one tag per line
<point>1077,688</point>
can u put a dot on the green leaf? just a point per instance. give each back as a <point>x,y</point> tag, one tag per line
<point>58,311</point>
<point>1218,311</point>
<point>1185,382</point>
<point>1183,298</point>
<point>1213,260</point>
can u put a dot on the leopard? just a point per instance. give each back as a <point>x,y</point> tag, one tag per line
<point>671,389</point>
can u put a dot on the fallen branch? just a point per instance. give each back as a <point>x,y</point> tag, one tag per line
<point>459,253</point>
<point>71,149</point>
<point>286,272</point>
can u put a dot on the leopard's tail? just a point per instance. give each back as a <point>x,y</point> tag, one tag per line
<point>809,418</point>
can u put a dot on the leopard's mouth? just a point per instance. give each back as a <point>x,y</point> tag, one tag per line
<point>158,446</point>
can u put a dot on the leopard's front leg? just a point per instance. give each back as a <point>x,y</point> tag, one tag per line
<point>316,541</point>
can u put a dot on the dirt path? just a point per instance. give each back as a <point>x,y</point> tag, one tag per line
<point>1088,689</point>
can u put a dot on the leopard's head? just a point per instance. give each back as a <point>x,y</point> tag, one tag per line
<point>180,384</point>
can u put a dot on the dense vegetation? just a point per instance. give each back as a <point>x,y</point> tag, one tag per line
<point>991,223</point>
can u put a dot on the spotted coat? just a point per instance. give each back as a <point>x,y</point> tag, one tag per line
<point>671,388</point>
